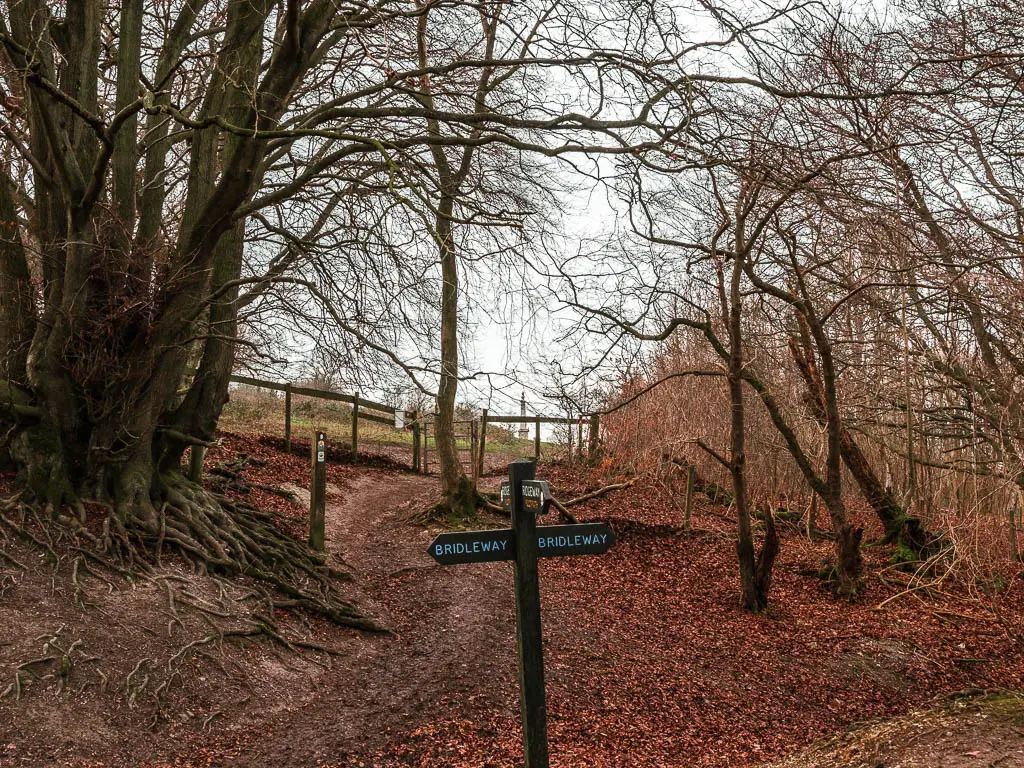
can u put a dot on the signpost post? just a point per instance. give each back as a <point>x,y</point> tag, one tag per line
<point>531,654</point>
<point>355,428</point>
<point>318,493</point>
<point>524,543</point>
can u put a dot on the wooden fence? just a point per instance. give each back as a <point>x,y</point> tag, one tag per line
<point>381,413</point>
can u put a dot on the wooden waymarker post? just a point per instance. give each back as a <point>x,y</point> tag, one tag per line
<point>355,428</point>
<point>483,445</point>
<point>524,543</point>
<point>287,418</point>
<point>318,492</point>
<point>689,497</point>
<point>416,461</point>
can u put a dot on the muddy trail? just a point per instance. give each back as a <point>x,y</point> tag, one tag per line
<point>148,688</point>
<point>450,628</point>
<point>648,659</point>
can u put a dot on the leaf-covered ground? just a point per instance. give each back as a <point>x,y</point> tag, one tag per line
<point>649,661</point>
<point>963,732</point>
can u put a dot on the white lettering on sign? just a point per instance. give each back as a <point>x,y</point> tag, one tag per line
<point>466,548</point>
<point>579,540</point>
<point>536,495</point>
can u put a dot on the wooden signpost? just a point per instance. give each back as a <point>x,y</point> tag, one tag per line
<point>524,543</point>
<point>318,493</point>
<point>355,428</point>
<point>536,495</point>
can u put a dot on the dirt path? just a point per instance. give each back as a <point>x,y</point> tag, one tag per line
<point>452,635</point>
<point>137,699</point>
<point>648,661</point>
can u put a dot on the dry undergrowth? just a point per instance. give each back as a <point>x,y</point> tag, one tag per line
<point>967,730</point>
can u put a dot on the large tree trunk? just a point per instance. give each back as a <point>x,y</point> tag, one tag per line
<point>96,354</point>
<point>459,494</point>
<point>755,570</point>
<point>455,486</point>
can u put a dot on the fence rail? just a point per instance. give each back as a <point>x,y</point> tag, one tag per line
<point>531,419</point>
<point>477,433</point>
<point>323,394</point>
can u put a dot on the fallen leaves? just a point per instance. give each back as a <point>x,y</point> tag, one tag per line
<point>650,661</point>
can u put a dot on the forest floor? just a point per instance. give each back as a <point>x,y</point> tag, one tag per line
<point>649,661</point>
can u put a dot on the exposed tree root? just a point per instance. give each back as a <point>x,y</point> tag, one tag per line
<point>217,534</point>
<point>58,661</point>
<point>12,560</point>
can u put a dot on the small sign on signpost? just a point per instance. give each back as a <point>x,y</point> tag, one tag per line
<point>524,543</point>
<point>536,496</point>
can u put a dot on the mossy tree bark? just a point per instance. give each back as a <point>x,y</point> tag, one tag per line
<point>105,308</point>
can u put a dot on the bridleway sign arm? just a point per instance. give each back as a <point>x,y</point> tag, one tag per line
<point>499,544</point>
<point>523,543</point>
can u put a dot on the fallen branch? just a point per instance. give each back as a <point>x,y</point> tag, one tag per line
<point>600,492</point>
<point>564,513</point>
<point>282,492</point>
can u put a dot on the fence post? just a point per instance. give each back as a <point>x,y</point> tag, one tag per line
<point>425,456</point>
<point>536,439</point>
<point>416,443</point>
<point>689,497</point>
<point>595,429</point>
<point>483,444</point>
<point>473,448</point>
<point>195,463</point>
<point>288,418</point>
<point>317,491</point>
<point>355,428</point>
<point>579,438</point>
